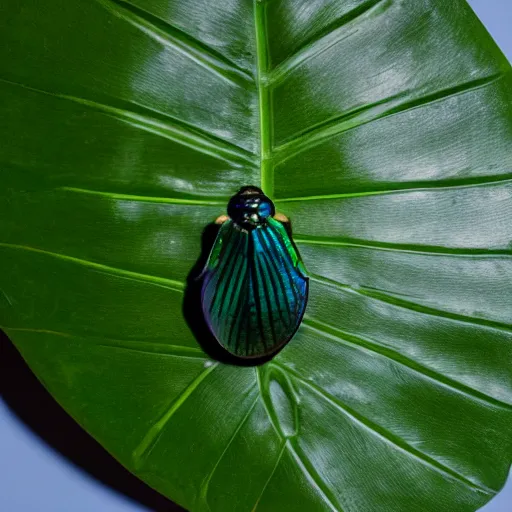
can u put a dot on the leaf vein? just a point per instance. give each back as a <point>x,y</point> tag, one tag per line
<point>145,199</point>
<point>163,349</point>
<point>364,344</point>
<point>157,123</point>
<point>163,282</point>
<point>326,130</point>
<point>264,99</point>
<point>389,437</point>
<point>413,306</point>
<point>153,434</point>
<point>329,36</point>
<point>206,482</point>
<point>430,250</point>
<point>407,187</point>
<point>309,473</point>
<point>274,469</point>
<point>165,33</point>
<point>314,478</point>
<point>145,347</point>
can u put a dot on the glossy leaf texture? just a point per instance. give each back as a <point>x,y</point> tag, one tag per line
<point>382,128</point>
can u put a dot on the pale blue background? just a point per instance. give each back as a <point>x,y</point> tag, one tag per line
<point>56,485</point>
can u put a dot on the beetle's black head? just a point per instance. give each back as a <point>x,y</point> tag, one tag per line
<point>250,207</point>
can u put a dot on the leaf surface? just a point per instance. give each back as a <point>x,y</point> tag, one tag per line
<point>383,128</point>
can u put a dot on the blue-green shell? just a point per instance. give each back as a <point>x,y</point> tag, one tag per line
<point>255,289</point>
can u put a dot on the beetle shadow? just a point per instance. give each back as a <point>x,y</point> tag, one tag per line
<point>193,311</point>
<point>36,409</point>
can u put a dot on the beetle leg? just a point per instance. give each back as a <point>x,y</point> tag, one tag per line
<point>281,217</point>
<point>285,221</point>
<point>221,219</point>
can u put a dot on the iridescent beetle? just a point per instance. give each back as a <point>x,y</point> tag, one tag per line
<point>255,287</point>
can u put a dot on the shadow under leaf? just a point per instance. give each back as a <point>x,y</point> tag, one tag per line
<point>35,407</point>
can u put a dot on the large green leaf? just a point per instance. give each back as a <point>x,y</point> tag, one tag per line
<point>382,127</point>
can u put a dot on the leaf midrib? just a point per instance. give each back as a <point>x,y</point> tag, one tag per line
<point>264,98</point>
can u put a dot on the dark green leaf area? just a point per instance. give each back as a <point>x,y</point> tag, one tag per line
<point>382,128</point>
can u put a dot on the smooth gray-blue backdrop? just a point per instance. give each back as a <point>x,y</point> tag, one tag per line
<point>56,485</point>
